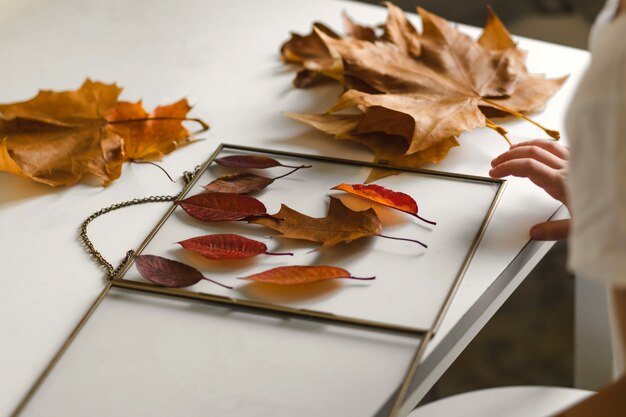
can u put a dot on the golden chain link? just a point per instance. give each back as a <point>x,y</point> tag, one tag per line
<point>90,248</point>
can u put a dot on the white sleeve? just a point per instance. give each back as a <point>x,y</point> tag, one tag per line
<point>596,129</point>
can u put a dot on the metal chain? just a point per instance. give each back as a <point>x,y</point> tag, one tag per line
<point>90,248</point>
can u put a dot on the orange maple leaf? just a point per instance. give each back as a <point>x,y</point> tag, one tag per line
<point>57,137</point>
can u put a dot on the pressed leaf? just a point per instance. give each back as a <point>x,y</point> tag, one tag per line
<point>226,246</point>
<point>394,199</point>
<point>222,207</point>
<point>341,224</point>
<point>296,275</point>
<point>243,183</point>
<point>169,273</point>
<point>57,137</point>
<point>251,161</point>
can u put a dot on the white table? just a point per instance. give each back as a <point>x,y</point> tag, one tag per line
<point>223,57</point>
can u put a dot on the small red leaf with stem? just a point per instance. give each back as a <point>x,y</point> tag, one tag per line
<point>169,273</point>
<point>394,199</point>
<point>296,275</point>
<point>242,183</point>
<point>253,161</point>
<point>222,207</point>
<point>226,246</point>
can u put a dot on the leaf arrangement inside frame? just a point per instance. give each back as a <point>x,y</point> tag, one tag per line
<point>57,137</point>
<point>220,204</point>
<point>409,95</point>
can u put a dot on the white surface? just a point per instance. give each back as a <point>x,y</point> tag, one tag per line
<point>193,359</point>
<point>223,56</point>
<point>525,401</point>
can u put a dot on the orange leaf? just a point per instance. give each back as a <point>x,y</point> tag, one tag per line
<point>150,135</point>
<point>57,137</point>
<point>394,199</point>
<point>296,275</point>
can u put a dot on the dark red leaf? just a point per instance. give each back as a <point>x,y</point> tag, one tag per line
<point>222,207</point>
<point>295,275</point>
<point>242,183</point>
<point>166,272</point>
<point>226,246</point>
<point>251,161</point>
<point>169,273</point>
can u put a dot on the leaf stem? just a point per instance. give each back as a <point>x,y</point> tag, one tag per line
<point>552,133</point>
<point>405,239</point>
<point>499,129</point>
<point>362,279</point>
<point>291,166</point>
<point>290,172</point>
<point>218,283</point>
<point>279,253</point>
<point>422,219</point>
<point>135,161</point>
<point>202,123</point>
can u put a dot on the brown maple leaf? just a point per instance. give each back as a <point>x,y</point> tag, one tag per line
<point>320,64</point>
<point>428,88</point>
<point>341,224</point>
<point>387,149</point>
<point>532,90</point>
<point>57,137</point>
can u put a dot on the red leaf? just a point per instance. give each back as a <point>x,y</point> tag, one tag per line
<point>222,207</point>
<point>169,273</point>
<point>295,275</point>
<point>394,199</point>
<point>226,246</point>
<point>251,161</point>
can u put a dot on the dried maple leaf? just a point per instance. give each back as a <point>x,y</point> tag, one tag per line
<point>150,135</point>
<point>394,199</point>
<point>297,275</point>
<point>226,246</point>
<point>170,273</point>
<point>532,90</point>
<point>222,207</point>
<point>429,87</point>
<point>322,65</point>
<point>341,225</point>
<point>387,149</point>
<point>57,137</point>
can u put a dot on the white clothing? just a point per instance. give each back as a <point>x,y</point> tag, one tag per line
<point>596,130</point>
